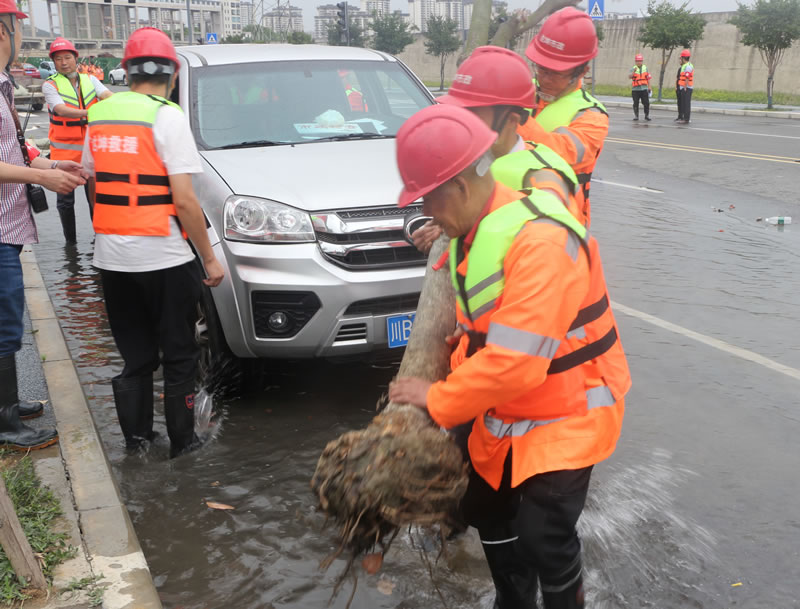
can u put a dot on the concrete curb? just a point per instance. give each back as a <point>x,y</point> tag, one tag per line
<point>705,110</point>
<point>109,540</point>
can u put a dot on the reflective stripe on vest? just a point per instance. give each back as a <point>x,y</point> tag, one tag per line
<point>132,195</point>
<point>640,76</point>
<point>512,168</point>
<point>596,397</point>
<point>67,134</point>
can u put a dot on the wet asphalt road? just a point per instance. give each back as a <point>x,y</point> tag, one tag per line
<point>702,492</point>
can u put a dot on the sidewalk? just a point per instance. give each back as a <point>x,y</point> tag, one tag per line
<point>709,107</point>
<point>77,471</point>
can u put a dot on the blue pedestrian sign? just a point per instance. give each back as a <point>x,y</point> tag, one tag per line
<point>211,38</point>
<point>596,9</point>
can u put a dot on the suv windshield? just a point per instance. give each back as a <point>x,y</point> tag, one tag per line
<point>296,102</point>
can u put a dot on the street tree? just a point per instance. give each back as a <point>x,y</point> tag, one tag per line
<point>442,41</point>
<point>299,38</point>
<point>336,37</point>
<point>517,24</point>
<point>392,33</point>
<point>771,26</point>
<point>668,27</point>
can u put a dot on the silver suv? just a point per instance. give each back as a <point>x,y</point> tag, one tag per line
<point>299,190</point>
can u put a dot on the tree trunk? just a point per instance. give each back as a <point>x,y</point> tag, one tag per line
<point>661,74</point>
<point>441,72</point>
<point>770,86</point>
<point>514,27</point>
<point>478,34</point>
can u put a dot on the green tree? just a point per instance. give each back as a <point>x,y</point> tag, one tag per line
<point>392,33</point>
<point>442,41</point>
<point>336,36</point>
<point>300,38</point>
<point>517,24</point>
<point>668,27</point>
<point>771,26</point>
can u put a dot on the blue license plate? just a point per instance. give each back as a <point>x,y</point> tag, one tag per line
<point>398,329</point>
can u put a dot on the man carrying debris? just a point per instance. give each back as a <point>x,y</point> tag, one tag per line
<point>527,367</point>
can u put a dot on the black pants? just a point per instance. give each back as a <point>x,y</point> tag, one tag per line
<point>152,311</point>
<point>528,533</point>
<point>67,201</point>
<point>645,98</point>
<point>685,104</point>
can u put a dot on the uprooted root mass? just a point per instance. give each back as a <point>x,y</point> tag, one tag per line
<point>400,470</point>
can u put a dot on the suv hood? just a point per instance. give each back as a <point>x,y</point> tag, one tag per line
<point>314,176</point>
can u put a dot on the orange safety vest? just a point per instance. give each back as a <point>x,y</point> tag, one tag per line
<point>686,78</point>
<point>67,134</point>
<point>574,417</point>
<point>641,77</point>
<point>356,100</point>
<point>132,192</point>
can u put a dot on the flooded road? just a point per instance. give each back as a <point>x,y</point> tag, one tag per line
<point>700,496</point>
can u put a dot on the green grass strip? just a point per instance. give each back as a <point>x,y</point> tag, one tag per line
<point>37,507</point>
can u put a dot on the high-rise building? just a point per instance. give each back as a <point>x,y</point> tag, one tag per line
<point>231,18</point>
<point>246,13</point>
<point>284,18</point>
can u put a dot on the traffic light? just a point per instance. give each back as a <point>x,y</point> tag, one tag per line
<point>341,15</point>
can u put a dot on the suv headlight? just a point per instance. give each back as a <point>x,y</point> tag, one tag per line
<point>265,221</point>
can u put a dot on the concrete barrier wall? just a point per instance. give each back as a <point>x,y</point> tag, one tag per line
<point>720,60</point>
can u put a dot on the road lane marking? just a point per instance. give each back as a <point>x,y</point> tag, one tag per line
<point>730,153</point>
<point>744,354</point>
<point>645,188</point>
<point>788,137</point>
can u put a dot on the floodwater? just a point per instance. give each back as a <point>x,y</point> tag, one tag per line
<point>696,509</point>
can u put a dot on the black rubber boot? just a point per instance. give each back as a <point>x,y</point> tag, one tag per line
<point>68,225</point>
<point>13,432</point>
<point>133,398</point>
<point>179,412</point>
<point>566,596</point>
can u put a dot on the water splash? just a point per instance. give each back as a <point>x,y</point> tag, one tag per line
<point>639,550</point>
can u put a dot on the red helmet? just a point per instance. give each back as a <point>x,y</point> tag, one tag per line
<point>436,144</point>
<point>686,53</point>
<point>9,7</point>
<point>149,43</point>
<point>567,40</point>
<point>638,58</point>
<point>62,44</point>
<point>492,76</point>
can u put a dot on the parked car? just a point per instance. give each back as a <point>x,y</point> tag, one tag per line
<point>300,193</point>
<point>118,76</point>
<point>31,70</point>
<point>47,69</point>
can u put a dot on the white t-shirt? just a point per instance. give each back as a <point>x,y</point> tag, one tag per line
<point>128,253</point>
<point>52,97</point>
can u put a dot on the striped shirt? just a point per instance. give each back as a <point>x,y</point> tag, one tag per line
<point>16,219</point>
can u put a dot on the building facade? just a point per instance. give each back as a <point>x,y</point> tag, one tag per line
<point>284,19</point>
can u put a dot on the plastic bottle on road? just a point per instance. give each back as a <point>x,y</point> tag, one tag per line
<point>779,220</point>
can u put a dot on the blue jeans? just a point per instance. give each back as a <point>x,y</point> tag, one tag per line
<point>12,299</point>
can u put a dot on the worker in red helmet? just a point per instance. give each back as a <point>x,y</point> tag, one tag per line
<point>566,118</point>
<point>495,84</point>
<point>69,94</point>
<point>141,155</point>
<point>684,85</point>
<point>640,87</point>
<point>520,267</point>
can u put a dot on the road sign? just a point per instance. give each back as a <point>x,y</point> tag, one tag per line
<point>596,9</point>
<point>211,38</point>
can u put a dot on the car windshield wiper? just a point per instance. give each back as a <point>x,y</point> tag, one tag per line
<point>353,136</point>
<point>252,144</point>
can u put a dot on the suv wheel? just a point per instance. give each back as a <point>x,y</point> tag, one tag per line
<point>111,79</point>
<point>221,372</point>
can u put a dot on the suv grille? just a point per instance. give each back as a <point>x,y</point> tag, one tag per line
<point>367,239</point>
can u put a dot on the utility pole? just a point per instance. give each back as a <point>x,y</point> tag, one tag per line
<point>189,21</point>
